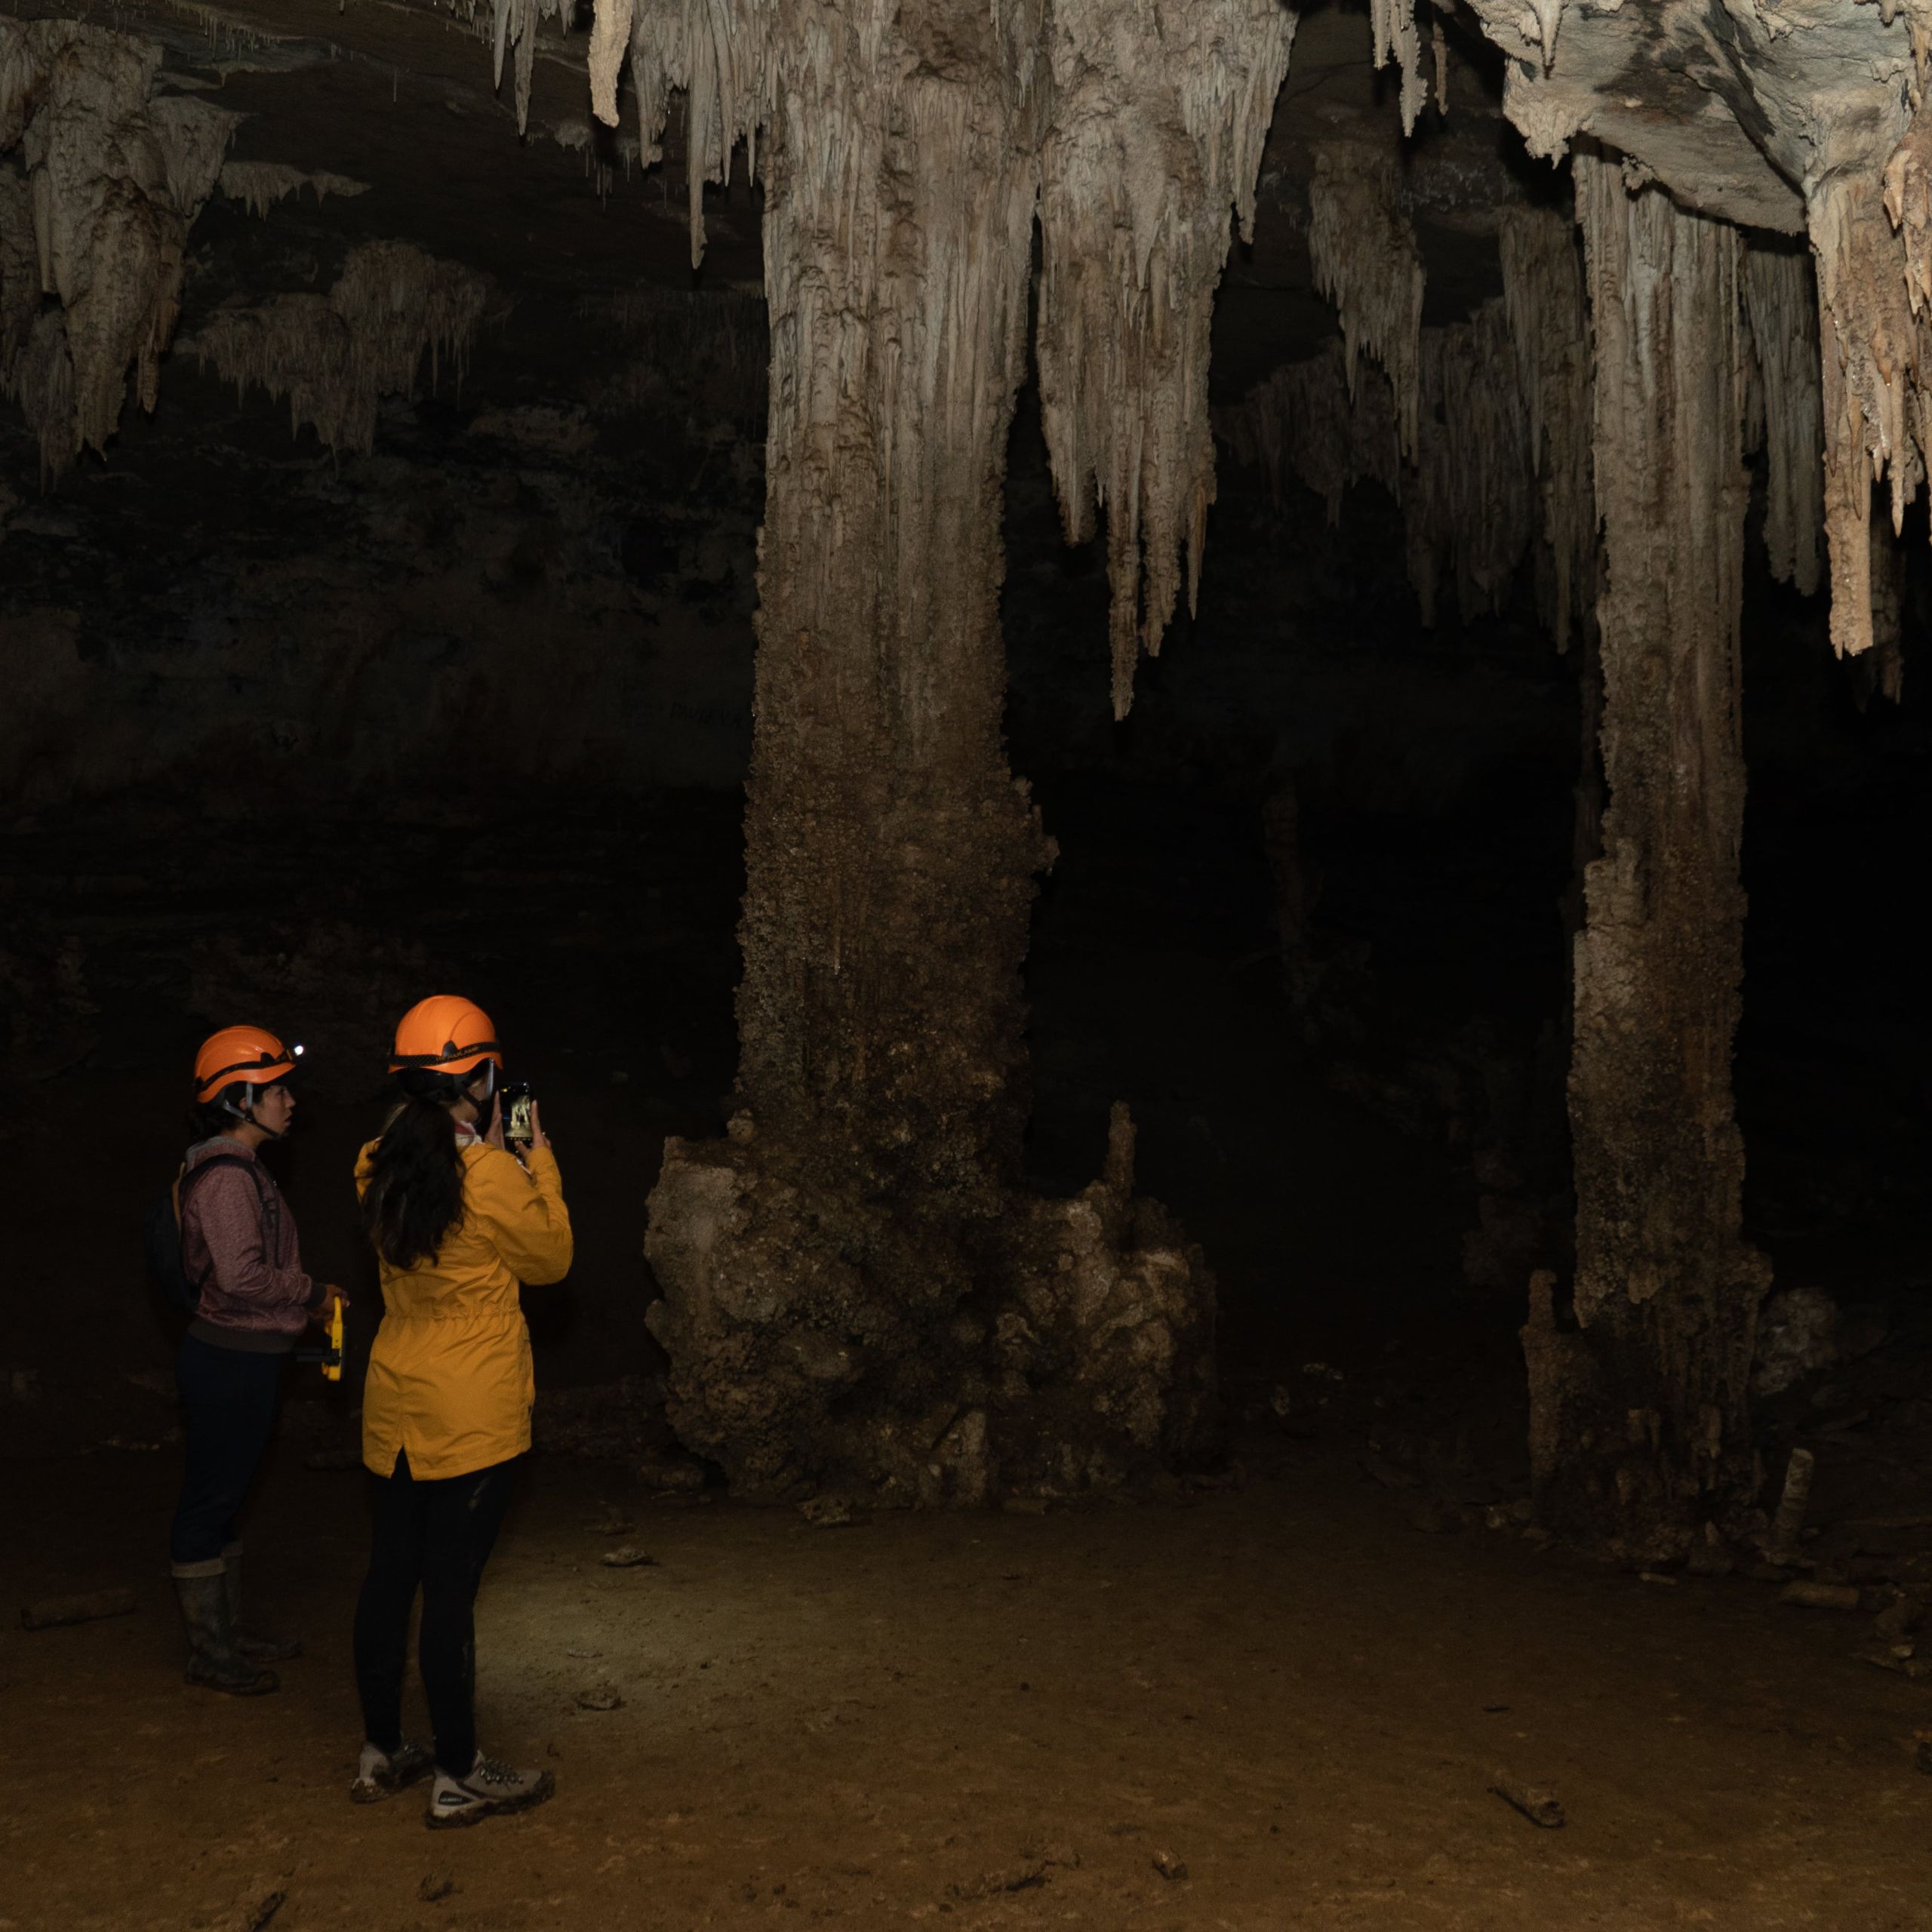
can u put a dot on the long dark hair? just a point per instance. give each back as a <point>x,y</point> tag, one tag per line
<point>414,1197</point>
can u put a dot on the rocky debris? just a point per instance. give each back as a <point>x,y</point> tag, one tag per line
<point>625,1556</point>
<point>54,1613</point>
<point>1170,1867</point>
<point>599,1697</point>
<point>1797,1336</point>
<point>1809,1595</point>
<point>830,1512</point>
<point>793,1372</point>
<point>1537,1802</point>
<point>435,1886</point>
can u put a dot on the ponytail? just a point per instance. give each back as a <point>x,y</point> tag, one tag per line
<point>414,1197</point>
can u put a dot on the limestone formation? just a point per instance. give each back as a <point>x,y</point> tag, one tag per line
<point>1779,300</point>
<point>1543,293</point>
<point>334,357</point>
<point>101,175</point>
<point>1364,255</point>
<point>857,1294</point>
<point>259,185</point>
<point>1152,136</point>
<point>1640,1423</point>
<point>1468,497</point>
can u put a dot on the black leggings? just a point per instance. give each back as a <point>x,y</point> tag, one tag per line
<point>439,1535</point>
<point>228,1397</point>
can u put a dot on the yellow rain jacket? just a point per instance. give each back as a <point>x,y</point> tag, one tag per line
<point>449,1377</point>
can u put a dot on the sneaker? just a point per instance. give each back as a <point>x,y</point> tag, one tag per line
<point>381,1775</point>
<point>489,1787</point>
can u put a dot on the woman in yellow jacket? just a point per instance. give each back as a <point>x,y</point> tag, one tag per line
<point>458,1222</point>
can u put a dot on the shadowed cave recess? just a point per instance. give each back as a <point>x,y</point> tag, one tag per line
<point>1185,742</point>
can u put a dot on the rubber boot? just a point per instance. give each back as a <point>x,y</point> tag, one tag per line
<point>212,1658</point>
<point>251,1645</point>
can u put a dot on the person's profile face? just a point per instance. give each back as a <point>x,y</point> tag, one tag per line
<point>274,1108</point>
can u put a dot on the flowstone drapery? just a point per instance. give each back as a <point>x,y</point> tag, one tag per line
<point>1639,1430</point>
<point>857,1294</point>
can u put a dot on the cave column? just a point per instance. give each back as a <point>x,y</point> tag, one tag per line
<point>1639,1430</point>
<point>816,1264</point>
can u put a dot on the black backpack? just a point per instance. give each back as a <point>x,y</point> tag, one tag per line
<point>163,1231</point>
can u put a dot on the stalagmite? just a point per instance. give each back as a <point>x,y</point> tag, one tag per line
<point>115,175</point>
<point>1780,301</point>
<point>857,1294</point>
<point>335,357</point>
<point>1365,259</point>
<point>1640,1421</point>
<point>1542,292</point>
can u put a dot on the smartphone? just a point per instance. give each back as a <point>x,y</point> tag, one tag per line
<point>514,1104</point>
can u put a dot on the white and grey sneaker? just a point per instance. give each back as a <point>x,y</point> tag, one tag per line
<point>381,1775</point>
<point>490,1787</point>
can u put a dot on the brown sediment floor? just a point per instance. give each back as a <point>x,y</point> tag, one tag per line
<point>990,1720</point>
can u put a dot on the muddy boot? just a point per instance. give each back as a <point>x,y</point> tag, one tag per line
<point>212,1659</point>
<point>251,1645</point>
<point>490,1787</point>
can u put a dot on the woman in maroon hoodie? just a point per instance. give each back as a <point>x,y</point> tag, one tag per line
<point>239,1249</point>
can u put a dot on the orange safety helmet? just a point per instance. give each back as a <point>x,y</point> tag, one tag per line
<point>252,1054</point>
<point>444,1034</point>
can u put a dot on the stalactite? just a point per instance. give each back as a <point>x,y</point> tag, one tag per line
<point>1640,1428</point>
<point>1869,354</point>
<point>1469,499</point>
<point>512,27</point>
<point>335,357</point>
<point>1397,38</point>
<point>1303,418</point>
<point>1154,136</point>
<point>115,173</point>
<point>1883,666</point>
<point>1783,312</point>
<point>1151,132</point>
<point>1469,509</point>
<point>259,185</point>
<point>1365,259</point>
<point>1542,292</point>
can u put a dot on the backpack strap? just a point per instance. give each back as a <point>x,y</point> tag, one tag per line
<point>188,1175</point>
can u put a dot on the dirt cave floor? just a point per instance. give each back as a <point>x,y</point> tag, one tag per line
<point>982,1719</point>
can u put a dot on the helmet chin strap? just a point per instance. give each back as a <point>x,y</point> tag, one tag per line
<point>246,1115</point>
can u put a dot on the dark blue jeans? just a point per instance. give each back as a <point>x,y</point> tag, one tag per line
<point>435,1535</point>
<point>229,1396</point>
